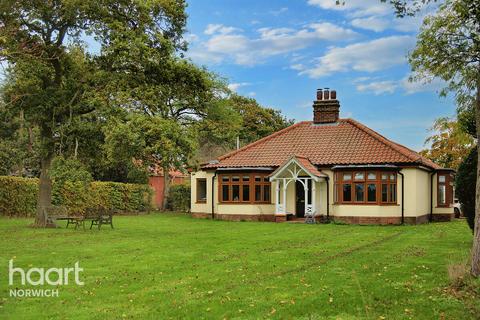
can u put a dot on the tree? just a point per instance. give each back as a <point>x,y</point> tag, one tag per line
<point>235,117</point>
<point>51,79</point>
<point>257,121</point>
<point>448,47</point>
<point>449,144</point>
<point>150,141</point>
<point>465,179</point>
<point>171,89</point>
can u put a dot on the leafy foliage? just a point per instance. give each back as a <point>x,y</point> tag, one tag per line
<point>465,185</point>
<point>71,184</point>
<point>179,198</point>
<point>449,144</point>
<point>18,196</point>
<point>466,119</point>
<point>151,140</point>
<point>448,48</point>
<point>235,117</point>
<point>257,122</point>
<point>51,77</point>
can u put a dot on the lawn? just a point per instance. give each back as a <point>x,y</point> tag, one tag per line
<point>172,266</point>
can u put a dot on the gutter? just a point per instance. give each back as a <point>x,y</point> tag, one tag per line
<point>403,197</point>
<point>327,179</point>
<point>213,195</point>
<point>431,196</point>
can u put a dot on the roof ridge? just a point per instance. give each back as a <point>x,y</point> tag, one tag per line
<point>276,133</point>
<point>392,145</point>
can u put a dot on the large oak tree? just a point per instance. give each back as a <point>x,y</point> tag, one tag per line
<point>42,43</point>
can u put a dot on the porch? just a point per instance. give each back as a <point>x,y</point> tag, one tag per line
<point>298,188</point>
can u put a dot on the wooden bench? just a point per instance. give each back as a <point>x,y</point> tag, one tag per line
<point>97,217</point>
<point>55,213</point>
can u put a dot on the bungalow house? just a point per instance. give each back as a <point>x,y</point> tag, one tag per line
<point>328,168</point>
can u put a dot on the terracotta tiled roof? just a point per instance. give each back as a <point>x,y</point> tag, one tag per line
<point>309,166</point>
<point>343,143</point>
<point>304,162</point>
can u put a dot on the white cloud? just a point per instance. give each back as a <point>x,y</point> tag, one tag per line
<point>373,23</point>
<point>355,8</point>
<point>369,56</point>
<point>219,28</point>
<point>378,87</point>
<point>230,43</point>
<point>237,85</point>
<point>417,86</point>
<point>279,11</point>
<point>375,15</point>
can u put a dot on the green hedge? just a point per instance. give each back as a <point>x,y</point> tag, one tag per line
<point>18,196</point>
<point>179,198</point>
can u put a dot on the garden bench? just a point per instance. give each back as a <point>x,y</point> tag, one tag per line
<point>96,217</point>
<point>55,213</point>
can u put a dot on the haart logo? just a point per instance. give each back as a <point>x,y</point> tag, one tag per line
<point>41,277</point>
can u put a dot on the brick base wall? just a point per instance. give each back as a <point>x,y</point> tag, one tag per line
<point>201,215</point>
<point>235,217</point>
<point>367,220</point>
<point>442,217</point>
<point>417,220</point>
<point>245,217</point>
<point>346,219</point>
<point>383,220</point>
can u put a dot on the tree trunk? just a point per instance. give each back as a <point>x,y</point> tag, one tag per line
<point>21,164</point>
<point>476,235</point>
<point>166,188</point>
<point>44,199</point>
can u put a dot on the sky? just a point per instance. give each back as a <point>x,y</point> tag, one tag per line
<point>281,51</point>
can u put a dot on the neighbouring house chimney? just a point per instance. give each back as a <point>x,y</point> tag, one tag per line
<point>326,108</point>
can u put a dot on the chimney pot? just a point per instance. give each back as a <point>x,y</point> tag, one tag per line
<point>326,94</point>
<point>319,94</point>
<point>333,94</point>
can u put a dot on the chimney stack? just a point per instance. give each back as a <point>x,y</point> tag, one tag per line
<point>326,108</point>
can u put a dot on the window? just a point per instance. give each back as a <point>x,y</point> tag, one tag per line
<point>359,192</point>
<point>444,189</point>
<point>202,190</point>
<point>372,192</point>
<point>244,188</point>
<point>347,192</point>
<point>366,187</point>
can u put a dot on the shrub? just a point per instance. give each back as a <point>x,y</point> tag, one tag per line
<point>179,198</point>
<point>71,185</point>
<point>465,183</point>
<point>18,196</point>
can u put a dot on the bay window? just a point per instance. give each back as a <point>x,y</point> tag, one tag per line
<point>366,187</point>
<point>244,188</point>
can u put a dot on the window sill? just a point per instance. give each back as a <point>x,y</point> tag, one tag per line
<point>201,202</point>
<point>252,203</point>
<point>367,204</point>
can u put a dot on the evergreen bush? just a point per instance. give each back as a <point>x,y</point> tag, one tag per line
<point>465,183</point>
<point>179,198</point>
